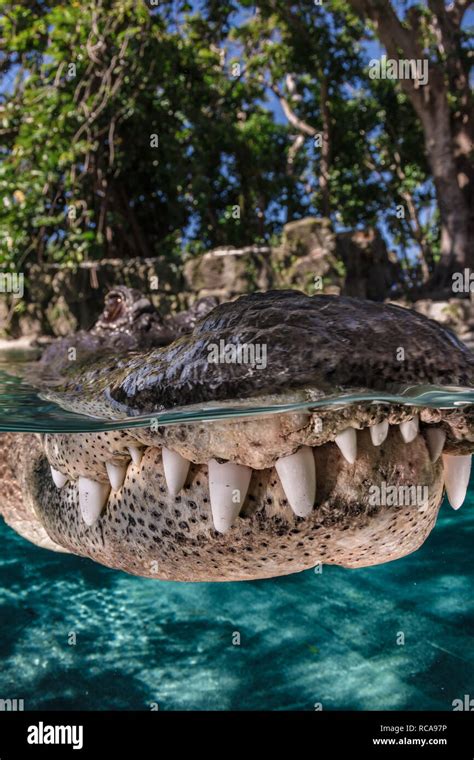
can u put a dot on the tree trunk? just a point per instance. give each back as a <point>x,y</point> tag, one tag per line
<point>447,135</point>
<point>457,245</point>
<point>325,148</point>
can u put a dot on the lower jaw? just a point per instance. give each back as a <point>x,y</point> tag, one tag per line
<point>148,532</point>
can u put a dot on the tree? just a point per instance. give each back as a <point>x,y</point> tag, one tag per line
<point>130,129</point>
<point>358,142</point>
<point>125,134</point>
<point>445,109</point>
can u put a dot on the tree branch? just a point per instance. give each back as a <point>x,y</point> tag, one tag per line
<point>294,120</point>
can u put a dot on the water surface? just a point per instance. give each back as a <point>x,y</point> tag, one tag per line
<point>25,408</point>
<point>308,638</point>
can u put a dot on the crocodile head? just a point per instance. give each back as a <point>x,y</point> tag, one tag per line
<point>253,495</point>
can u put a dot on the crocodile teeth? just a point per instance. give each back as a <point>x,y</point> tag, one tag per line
<point>297,474</point>
<point>378,432</point>
<point>435,438</point>
<point>228,486</point>
<point>136,454</point>
<point>409,429</point>
<point>92,498</point>
<point>58,478</point>
<point>456,477</point>
<point>116,473</point>
<point>347,443</point>
<point>176,470</point>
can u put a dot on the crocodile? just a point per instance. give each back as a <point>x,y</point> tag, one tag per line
<point>333,469</point>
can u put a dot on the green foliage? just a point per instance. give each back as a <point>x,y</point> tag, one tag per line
<point>88,88</point>
<point>80,176</point>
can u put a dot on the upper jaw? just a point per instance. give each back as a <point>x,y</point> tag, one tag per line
<point>325,343</point>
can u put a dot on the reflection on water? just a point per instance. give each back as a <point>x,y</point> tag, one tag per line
<point>24,409</point>
<point>331,638</point>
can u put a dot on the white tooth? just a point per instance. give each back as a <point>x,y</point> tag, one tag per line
<point>58,478</point>
<point>409,429</point>
<point>347,442</point>
<point>297,474</point>
<point>456,477</point>
<point>92,497</point>
<point>136,454</point>
<point>228,486</point>
<point>378,432</point>
<point>116,473</point>
<point>176,470</point>
<point>435,438</point>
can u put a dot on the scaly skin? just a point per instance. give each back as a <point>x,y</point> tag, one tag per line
<point>315,346</point>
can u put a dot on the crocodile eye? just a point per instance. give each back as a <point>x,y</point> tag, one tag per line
<point>114,308</point>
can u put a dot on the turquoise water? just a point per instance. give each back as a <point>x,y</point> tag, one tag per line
<point>309,638</point>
